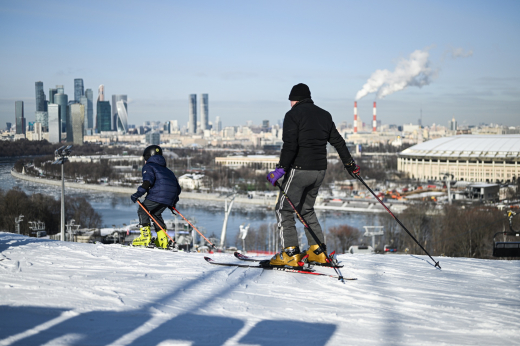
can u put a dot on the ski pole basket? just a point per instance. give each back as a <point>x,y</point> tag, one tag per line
<point>507,248</point>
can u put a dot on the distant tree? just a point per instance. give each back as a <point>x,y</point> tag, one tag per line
<point>342,237</point>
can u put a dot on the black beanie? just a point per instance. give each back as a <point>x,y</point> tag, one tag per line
<point>299,92</point>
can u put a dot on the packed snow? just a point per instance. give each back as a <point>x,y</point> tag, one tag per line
<point>59,293</point>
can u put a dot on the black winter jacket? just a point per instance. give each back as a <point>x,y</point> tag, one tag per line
<point>164,188</point>
<point>306,130</point>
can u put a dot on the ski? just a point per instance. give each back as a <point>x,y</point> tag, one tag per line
<point>267,267</point>
<point>250,259</point>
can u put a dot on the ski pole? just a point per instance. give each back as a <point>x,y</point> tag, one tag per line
<point>202,235</point>
<point>155,221</point>
<point>314,236</point>
<point>356,176</point>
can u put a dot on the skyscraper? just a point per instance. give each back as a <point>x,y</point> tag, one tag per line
<point>8,126</point>
<point>101,93</point>
<point>89,109</point>
<point>103,116</point>
<point>52,92</point>
<point>40,97</point>
<point>204,112</point>
<point>62,100</point>
<point>115,120</point>
<point>78,89</point>
<point>77,120</point>
<point>60,89</point>
<point>122,117</point>
<point>192,121</point>
<point>218,124</point>
<point>42,118</point>
<point>20,120</point>
<point>54,123</point>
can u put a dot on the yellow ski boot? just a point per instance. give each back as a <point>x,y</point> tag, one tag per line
<point>290,256</point>
<point>162,240</point>
<point>144,239</point>
<point>313,258</point>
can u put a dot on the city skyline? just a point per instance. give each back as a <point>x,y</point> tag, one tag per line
<point>465,53</point>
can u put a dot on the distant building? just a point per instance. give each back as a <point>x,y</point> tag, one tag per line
<point>153,138</point>
<point>174,126</point>
<point>41,104</point>
<point>218,124</point>
<point>103,115</point>
<point>77,117</point>
<point>473,158</point>
<point>89,109</point>
<point>265,125</point>
<point>60,89</point>
<point>54,123</point>
<point>192,122</point>
<point>37,132</point>
<point>62,100</point>
<point>52,92</point>
<point>43,119</point>
<point>251,161</point>
<point>453,125</point>
<point>204,112</point>
<point>122,116</point>
<point>8,126</point>
<point>101,93</point>
<point>78,89</point>
<point>193,181</point>
<point>115,119</point>
<point>20,120</point>
<point>229,132</point>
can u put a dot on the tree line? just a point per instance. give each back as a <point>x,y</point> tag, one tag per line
<point>40,207</point>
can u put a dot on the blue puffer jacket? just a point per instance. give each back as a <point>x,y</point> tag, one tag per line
<point>164,188</point>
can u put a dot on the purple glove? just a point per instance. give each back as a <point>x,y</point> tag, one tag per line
<point>275,175</point>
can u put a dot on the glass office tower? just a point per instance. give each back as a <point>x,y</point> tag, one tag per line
<point>42,118</point>
<point>115,118</point>
<point>77,120</point>
<point>62,100</point>
<point>103,121</point>
<point>78,89</point>
<point>52,92</point>
<point>192,122</point>
<point>122,116</point>
<point>40,97</point>
<point>54,123</point>
<point>20,120</point>
<point>204,112</point>
<point>89,109</point>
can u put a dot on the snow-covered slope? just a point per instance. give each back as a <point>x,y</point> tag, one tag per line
<point>56,293</point>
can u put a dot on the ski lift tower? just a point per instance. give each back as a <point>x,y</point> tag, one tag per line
<point>61,157</point>
<point>17,220</point>
<point>227,211</point>
<point>373,231</point>
<point>72,229</point>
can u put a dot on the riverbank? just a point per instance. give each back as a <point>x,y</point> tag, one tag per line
<point>210,197</point>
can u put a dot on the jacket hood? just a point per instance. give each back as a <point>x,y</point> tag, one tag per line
<point>157,159</point>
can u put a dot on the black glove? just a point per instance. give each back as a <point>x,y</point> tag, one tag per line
<point>140,191</point>
<point>351,167</point>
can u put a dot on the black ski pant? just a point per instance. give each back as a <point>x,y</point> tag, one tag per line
<point>302,188</point>
<point>155,209</point>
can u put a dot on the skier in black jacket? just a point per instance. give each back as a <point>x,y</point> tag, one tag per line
<point>303,161</point>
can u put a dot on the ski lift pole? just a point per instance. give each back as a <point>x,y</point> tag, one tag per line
<point>314,236</point>
<point>185,219</point>
<point>356,176</point>
<point>155,221</point>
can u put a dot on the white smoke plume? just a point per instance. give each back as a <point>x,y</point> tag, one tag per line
<point>415,71</point>
<point>460,53</point>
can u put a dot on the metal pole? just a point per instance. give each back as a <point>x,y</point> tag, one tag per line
<point>62,204</point>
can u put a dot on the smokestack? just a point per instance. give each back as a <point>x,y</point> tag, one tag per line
<point>374,122</point>
<point>355,117</point>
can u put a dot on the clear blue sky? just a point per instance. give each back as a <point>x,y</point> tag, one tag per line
<point>248,54</point>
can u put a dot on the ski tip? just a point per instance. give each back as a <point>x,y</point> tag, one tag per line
<point>208,259</point>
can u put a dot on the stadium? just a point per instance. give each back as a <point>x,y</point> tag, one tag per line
<point>472,158</point>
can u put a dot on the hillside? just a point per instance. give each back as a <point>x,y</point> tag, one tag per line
<point>55,293</point>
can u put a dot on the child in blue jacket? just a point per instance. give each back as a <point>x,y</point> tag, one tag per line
<point>162,190</point>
